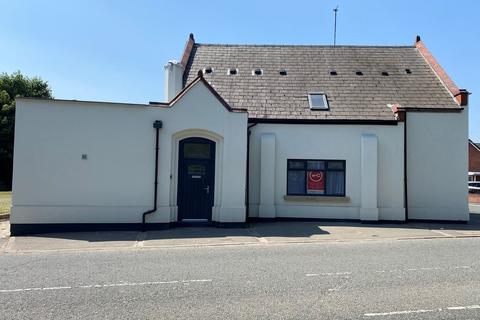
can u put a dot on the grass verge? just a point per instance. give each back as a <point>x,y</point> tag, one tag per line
<point>5,203</point>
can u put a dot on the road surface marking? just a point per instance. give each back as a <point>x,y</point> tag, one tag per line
<point>464,308</point>
<point>107,285</point>
<point>424,269</point>
<point>327,274</point>
<point>34,289</point>
<point>340,284</point>
<point>392,313</point>
<point>411,269</point>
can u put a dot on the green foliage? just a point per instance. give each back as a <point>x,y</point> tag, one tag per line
<point>12,86</point>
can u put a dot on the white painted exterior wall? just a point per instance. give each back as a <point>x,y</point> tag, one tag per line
<point>324,141</point>
<point>437,165</point>
<point>52,184</point>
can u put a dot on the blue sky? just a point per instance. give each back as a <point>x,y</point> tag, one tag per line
<point>115,50</point>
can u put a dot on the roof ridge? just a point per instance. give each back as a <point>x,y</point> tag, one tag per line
<point>302,45</point>
<point>474,144</point>
<point>460,96</point>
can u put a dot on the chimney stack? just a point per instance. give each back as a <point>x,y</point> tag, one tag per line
<point>173,79</point>
<point>462,97</point>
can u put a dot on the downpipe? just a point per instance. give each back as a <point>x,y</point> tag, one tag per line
<point>157,125</point>
<point>405,173</point>
<point>247,180</point>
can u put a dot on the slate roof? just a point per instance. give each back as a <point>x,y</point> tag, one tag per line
<point>350,96</point>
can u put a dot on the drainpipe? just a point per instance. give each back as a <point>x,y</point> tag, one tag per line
<point>157,125</point>
<point>405,175</point>
<point>247,197</point>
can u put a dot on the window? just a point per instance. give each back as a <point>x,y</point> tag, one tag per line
<point>196,150</point>
<point>385,74</point>
<point>318,101</point>
<point>283,72</point>
<point>333,73</point>
<point>359,73</point>
<point>408,71</point>
<point>257,72</point>
<point>316,177</point>
<point>232,71</point>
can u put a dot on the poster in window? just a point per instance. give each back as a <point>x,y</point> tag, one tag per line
<point>315,182</point>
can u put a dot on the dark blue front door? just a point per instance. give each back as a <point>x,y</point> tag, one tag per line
<point>196,178</point>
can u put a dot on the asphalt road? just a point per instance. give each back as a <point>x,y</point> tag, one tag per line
<point>411,279</point>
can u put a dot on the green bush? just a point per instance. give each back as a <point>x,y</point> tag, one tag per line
<point>12,86</point>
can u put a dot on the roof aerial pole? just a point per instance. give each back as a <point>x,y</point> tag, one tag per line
<point>335,27</point>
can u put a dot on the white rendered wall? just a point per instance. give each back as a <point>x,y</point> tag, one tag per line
<point>369,178</point>
<point>437,165</point>
<point>341,142</point>
<point>52,184</point>
<point>267,176</point>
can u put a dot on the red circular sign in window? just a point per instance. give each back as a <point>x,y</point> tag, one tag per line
<point>315,182</point>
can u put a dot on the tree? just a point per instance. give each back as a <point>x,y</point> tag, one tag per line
<point>12,86</point>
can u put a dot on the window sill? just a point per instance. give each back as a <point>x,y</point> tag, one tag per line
<point>335,199</point>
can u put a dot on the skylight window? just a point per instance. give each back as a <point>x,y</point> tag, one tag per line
<point>318,101</point>
<point>232,71</point>
<point>283,72</point>
<point>208,70</point>
<point>333,73</point>
<point>359,73</point>
<point>385,73</point>
<point>257,72</point>
<point>408,71</point>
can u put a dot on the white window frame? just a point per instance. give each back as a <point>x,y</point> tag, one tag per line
<point>325,101</point>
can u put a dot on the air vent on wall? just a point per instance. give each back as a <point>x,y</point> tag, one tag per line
<point>257,72</point>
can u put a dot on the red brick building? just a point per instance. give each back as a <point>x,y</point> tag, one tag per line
<point>473,161</point>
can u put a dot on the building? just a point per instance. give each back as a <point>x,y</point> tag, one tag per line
<point>251,132</point>
<point>473,161</point>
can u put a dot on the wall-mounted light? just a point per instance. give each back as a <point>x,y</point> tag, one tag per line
<point>158,124</point>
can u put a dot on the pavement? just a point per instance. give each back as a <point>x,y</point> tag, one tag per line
<point>273,233</point>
